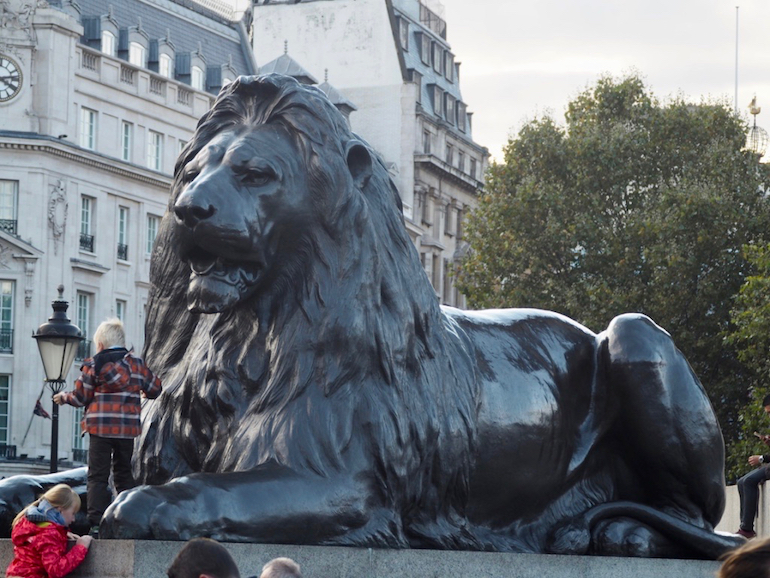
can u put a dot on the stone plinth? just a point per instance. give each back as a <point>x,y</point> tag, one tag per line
<point>147,559</point>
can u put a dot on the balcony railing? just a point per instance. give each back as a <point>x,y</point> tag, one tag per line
<point>7,452</point>
<point>80,455</point>
<point>127,75</point>
<point>122,251</point>
<point>90,61</point>
<point>184,96</point>
<point>84,350</point>
<point>8,225</point>
<point>157,86</point>
<point>87,242</point>
<point>6,340</point>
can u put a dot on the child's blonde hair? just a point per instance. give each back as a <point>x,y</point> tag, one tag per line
<point>60,496</point>
<point>110,333</point>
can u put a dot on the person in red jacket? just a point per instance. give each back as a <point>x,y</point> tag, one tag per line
<point>110,387</point>
<point>40,535</point>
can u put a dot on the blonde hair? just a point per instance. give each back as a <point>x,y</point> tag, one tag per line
<point>60,496</point>
<point>110,333</point>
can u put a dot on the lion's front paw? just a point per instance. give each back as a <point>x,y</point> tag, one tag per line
<point>129,516</point>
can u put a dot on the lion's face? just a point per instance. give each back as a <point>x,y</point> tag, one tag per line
<point>243,198</point>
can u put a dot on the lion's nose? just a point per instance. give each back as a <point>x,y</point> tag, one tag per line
<point>191,213</point>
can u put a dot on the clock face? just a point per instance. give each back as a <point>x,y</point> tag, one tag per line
<point>10,78</point>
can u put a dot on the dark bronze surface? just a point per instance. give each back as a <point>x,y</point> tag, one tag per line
<point>316,392</point>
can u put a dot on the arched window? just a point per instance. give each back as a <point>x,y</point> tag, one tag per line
<point>109,43</point>
<point>166,66</point>
<point>137,54</point>
<point>198,78</point>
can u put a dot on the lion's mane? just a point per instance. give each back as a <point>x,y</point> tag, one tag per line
<point>350,343</point>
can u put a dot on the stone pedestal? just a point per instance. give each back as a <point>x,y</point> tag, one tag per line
<point>147,559</point>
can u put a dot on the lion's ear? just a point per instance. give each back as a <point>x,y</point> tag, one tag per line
<point>359,163</point>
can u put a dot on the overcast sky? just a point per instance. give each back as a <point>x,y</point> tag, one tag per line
<point>521,59</point>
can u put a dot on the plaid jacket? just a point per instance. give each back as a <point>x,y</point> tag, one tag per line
<point>109,388</point>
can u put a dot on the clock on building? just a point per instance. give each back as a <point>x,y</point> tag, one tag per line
<point>10,78</point>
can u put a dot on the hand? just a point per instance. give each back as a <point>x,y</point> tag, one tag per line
<point>754,460</point>
<point>58,398</point>
<point>84,541</point>
<point>72,536</point>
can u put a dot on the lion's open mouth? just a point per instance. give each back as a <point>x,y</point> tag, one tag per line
<point>203,263</point>
<point>217,283</point>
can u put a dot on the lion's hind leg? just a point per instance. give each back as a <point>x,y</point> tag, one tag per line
<point>667,433</point>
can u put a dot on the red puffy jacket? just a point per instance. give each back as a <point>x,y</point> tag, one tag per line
<point>40,551</point>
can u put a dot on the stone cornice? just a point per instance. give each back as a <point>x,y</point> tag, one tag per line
<point>66,151</point>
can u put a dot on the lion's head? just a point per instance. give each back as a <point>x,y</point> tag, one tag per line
<point>269,164</point>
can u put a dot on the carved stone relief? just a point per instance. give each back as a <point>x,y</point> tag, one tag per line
<point>57,213</point>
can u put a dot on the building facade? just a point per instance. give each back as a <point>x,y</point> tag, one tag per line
<point>97,98</point>
<point>391,58</point>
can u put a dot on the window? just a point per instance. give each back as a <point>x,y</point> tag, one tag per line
<point>198,78</point>
<point>137,54</point>
<point>5,390</point>
<point>425,48</point>
<point>152,231</point>
<point>166,66</point>
<point>126,140</point>
<point>438,57</point>
<point>9,193</point>
<point>403,30</point>
<point>459,224</point>
<point>450,108</point>
<point>88,128</point>
<point>461,161</point>
<point>83,316</point>
<point>86,224</point>
<point>416,79</point>
<point>182,144</point>
<point>449,154</point>
<point>461,111</point>
<point>446,293</point>
<point>436,273</point>
<point>426,216</point>
<point>426,142</point>
<point>6,316</point>
<point>472,171</point>
<point>448,212</point>
<point>123,233</point>
<point>78,440</point>
<point>449,66</point>
<point>438,101</point>
<point>120,309</point>
<point>108,43</point>
<point>154,150</point>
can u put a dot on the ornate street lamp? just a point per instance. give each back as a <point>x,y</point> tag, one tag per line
<point>58,342</point>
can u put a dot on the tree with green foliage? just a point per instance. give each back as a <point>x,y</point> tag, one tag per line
<point>751,339</point>
<point>633,206</point>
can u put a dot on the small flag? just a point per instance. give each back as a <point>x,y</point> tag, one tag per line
<point>40,410</point>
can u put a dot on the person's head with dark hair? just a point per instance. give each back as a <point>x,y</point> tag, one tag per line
<point>766,400</point>
<point>752,560</point>
<point>281,568</point>
<point>203,558</point>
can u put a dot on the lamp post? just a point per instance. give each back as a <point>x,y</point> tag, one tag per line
<point>58,342</point>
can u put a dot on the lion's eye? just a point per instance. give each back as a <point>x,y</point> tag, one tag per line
<point>257,178</point>
<point>190,173</point>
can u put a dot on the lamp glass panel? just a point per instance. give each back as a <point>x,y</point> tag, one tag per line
<point>57,354</point>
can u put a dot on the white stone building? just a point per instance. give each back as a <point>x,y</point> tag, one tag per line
<point>96,100</point>
<point>392,60</point>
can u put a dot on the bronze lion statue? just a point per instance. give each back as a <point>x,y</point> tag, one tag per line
<point>315,392</point>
